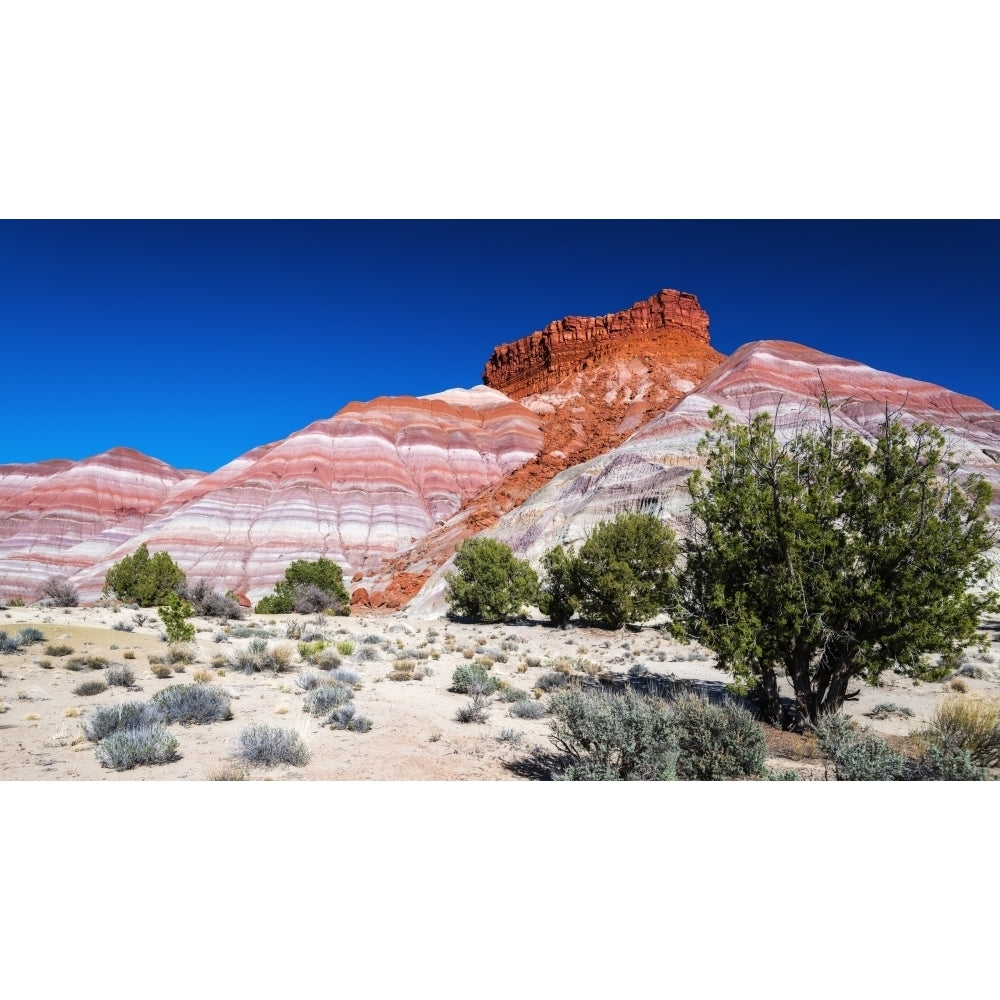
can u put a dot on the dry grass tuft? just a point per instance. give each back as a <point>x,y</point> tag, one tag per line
<point>227,772</point>
<point>202,676</point>
<point>971,724</point>
<point>161,670</point>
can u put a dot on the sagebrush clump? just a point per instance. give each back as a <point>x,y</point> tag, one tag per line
<point>267,745</point>
<point>128,748</point>
<point>613,737</point>
<point>192,704</point>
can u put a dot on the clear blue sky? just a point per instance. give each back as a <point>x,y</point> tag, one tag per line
<point>196,341</point>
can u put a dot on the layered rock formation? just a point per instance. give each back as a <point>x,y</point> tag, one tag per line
<point>59,517</point>
<point>354,488</point>
<point>592,381</point>
<point>649,470</point>
<point>660,327</point>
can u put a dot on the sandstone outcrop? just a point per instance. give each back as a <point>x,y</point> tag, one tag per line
<point>660,327</point>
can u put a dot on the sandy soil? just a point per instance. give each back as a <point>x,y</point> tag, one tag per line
<point>415,735</point>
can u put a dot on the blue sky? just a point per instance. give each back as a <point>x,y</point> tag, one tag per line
<point>196,341</point>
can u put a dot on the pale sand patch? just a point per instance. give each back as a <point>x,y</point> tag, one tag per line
<point>415,735</point>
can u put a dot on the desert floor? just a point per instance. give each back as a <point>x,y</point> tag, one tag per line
<point>414,734</point>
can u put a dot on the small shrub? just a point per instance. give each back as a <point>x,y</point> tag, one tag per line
<point>29,635</point>
<point>402,670</point>
<point>552,680</point>
<point>959,685</point>
<point>473,675</point>
<point>104,720</point>
<point>858,756</point>
<point>976,672</point>
<point>267,745</point>
<point>345,676</point>
<point>346,717</point>
<point>527,710</point>
<point>512,694</point>
<point>203,677</point>
<point>890,710</point>
<point>180,654</point>
<point>60,594</point>
<point>119,675</point>
<point>308,587</point>
<point>613,736</point>
<point>175,613</point>
<point>258,656</point>
<point>409,653</point>
<point>475,711</point>
<point>327,660</point>
<point>309,650</point>
<point>367,654</point>
<point>123,627</point>
<point>58,649</point>
<point>281,658</point>
<point>321,700</point>
<point>92,687</point>
<point>128,748</point>
<point>209,603</point>
<point>945,759</point>
<point>309,680</point>
<point>717,742</point>
<point>192,704</point>
<point>345,647</point>
<point>91,662</point>
<point>45,664</point>
<point>511,736</point>
<point>128,654</point>
<point>160,670</point>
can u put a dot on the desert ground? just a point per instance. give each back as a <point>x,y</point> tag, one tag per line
<point>414,732</point>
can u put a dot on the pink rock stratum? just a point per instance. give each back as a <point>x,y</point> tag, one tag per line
<point>353,488</point>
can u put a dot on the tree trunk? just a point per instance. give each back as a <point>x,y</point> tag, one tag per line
<point>767,697</point>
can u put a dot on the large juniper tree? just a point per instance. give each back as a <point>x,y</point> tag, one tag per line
<point>830,560</point>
